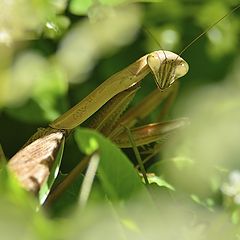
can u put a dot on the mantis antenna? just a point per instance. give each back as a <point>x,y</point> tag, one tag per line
<point>155,40</point>
<point>209,28</point>
<point>194,40</point>
<point>165,71</point>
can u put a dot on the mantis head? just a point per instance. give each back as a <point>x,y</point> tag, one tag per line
<point>166,67</point>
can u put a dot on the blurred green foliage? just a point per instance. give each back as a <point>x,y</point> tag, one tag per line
<point>55,52</point>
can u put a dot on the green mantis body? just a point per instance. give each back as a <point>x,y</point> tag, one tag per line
<point>32,164</point>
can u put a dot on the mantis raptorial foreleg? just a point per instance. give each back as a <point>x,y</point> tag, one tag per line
<point>115,130</point>
<point>165,66</point>
<point>143,109</point>
<point>106,118</point>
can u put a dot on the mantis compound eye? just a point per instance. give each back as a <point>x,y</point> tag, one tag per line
<point>154,63</point>
<point>181,69</point>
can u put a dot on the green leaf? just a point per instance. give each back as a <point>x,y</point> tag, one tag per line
<point>79,7</point>
<point>19,218</point>
<point>235,216</point>
<point>208,203</point>
<point>46,88</point>
<point>30,112</point>
<point>117,175</point>
<point>152,178</point>
<point>10,189</point>
<point>56,27</point>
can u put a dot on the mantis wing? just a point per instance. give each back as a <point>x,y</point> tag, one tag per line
<point>35,162</point>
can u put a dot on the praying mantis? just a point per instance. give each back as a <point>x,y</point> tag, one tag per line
<point>32,164</point>
<point>102,108</point>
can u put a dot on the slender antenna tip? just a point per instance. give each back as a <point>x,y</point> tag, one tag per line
<point>209,28</point>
